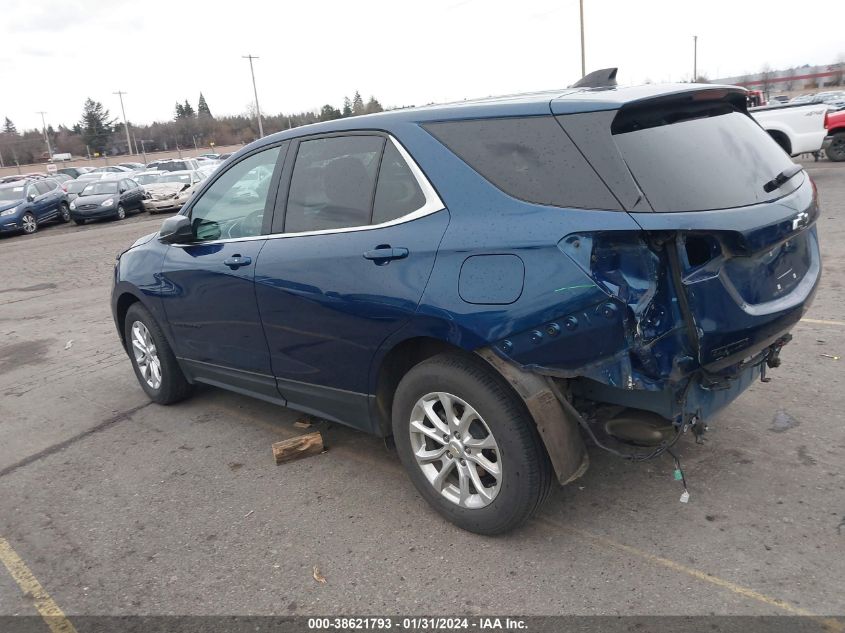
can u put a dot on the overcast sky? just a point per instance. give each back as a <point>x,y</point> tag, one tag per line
<point>55,54</point>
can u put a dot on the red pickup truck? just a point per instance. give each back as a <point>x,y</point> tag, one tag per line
<point>834,142</point>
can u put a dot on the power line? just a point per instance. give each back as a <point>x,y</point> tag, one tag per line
<point>255,91</point>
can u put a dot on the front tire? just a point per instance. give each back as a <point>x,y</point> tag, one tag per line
<point>836,150</point>
<point>64,213</point>
<point>153,360</point>
<point>79,222</point>
<point>28,223</point>
<point>120,214</point>
<point>469,444</point>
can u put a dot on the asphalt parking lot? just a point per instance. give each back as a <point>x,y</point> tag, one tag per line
<point>118,506</point>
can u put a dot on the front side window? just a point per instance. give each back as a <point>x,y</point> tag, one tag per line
<point>333,183</point>
<point>233,206</point>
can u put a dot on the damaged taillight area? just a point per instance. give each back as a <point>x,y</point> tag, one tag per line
<point>634,338</point>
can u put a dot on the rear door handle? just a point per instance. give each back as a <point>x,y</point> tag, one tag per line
<point>236,261</point>
<point>384,253</point>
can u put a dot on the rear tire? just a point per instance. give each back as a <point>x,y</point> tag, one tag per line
<point>497,473</point>
<point>153,360</point>
<point>79,222</point>
<point>836,151</point>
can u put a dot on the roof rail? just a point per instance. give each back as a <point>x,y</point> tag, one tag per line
<point>604,78</point>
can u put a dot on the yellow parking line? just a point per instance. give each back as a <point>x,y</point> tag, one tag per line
<point>47,608</point>
<point>829,624</point>
<point>823,322</point>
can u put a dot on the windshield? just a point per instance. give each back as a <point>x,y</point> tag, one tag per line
<point>145,179</point>
<point>97,188</point>
<point>185,178</point>
<point>10,194</point>
<point>76,186</point>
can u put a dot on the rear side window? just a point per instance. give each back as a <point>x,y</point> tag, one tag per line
<point>397,192</point>
<point>333,183</point>
<point>530,158</point>
<point>712,157</point>
<point>43,186</point>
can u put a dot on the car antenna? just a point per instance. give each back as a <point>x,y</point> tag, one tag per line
<point>604,78</point>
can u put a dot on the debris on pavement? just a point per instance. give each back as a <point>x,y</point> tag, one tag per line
<point>318,576</point>
<point>301,446</point>
<point>69,344</point>
<point>829,356</point>
<point>303,423</point>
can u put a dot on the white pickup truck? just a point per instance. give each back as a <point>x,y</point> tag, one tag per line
<point>797,128</point>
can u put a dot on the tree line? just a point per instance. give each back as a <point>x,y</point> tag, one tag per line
<point>99,133</point>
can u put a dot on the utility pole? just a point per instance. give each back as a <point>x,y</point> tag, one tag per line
<point>255,91</point>
<point>144,151</point>
<point>46,138</point>
<point>694,58</point>
<point>125,124</point>
<point>583,63</point>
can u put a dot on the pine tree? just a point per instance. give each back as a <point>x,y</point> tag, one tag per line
<point>188,110</point>
<point>357,104</point>
<point>347,107</point>
<point>202,108</point>
<point>373,106</point>
<point>9,127</point>
<point>180,111</point>
<point>96,124</point>
<point>329,113</point>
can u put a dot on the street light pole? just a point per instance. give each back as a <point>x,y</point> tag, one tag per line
<point>46,137</point>
<point>694,58</point>
<point>125,123</point>
<point>583,63</point>
<point>255,92</point>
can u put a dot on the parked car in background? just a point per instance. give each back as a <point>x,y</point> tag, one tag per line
<point>61,178</point>
<point>171,191</point>
<point>91,175</point>
<point>133,166</point>
<point>174,164</point>
<point>798,129</point>
<point>112,169</point>
<point>74,187</point>
<point>107,199</point>
<point>26,204</point>
<point>834,142</point>
<point>487,281</point>
<point>779,99</point>
<point>223,157</point>
<point>211,155</point>
<point>75,172</point>
<point>144,178</point>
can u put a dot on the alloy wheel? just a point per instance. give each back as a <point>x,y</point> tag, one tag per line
<point>29,224</point>
<point>121,212</point>
<point>146,355</point>
<point>455,450</point>
<point>65,212</point>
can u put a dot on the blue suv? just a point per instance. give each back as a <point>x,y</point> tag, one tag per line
<point>491,283</point>
<point>25,204</point>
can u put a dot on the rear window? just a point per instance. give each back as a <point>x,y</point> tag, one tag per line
<point>530,158</point>
<point>712,157</point>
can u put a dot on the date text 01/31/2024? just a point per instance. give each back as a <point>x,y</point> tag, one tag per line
<point>416,623</point>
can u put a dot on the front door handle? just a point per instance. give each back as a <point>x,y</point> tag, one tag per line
<point>384,253</point>
<point>236,261</point>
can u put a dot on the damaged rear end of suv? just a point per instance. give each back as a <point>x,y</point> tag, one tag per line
<point>650,254</point>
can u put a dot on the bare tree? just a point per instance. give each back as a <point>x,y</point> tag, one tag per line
<point>766,76</point>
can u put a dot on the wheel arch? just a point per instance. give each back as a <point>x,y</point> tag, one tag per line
<point>559,433</point>
<point>782,139</point>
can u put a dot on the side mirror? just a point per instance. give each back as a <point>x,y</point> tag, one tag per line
<point>123,190</point>
<point>176,229</point>
<point>30,197</point>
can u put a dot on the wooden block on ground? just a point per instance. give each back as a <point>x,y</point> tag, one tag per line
<point>296,447</point>
<point>303,423</point>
